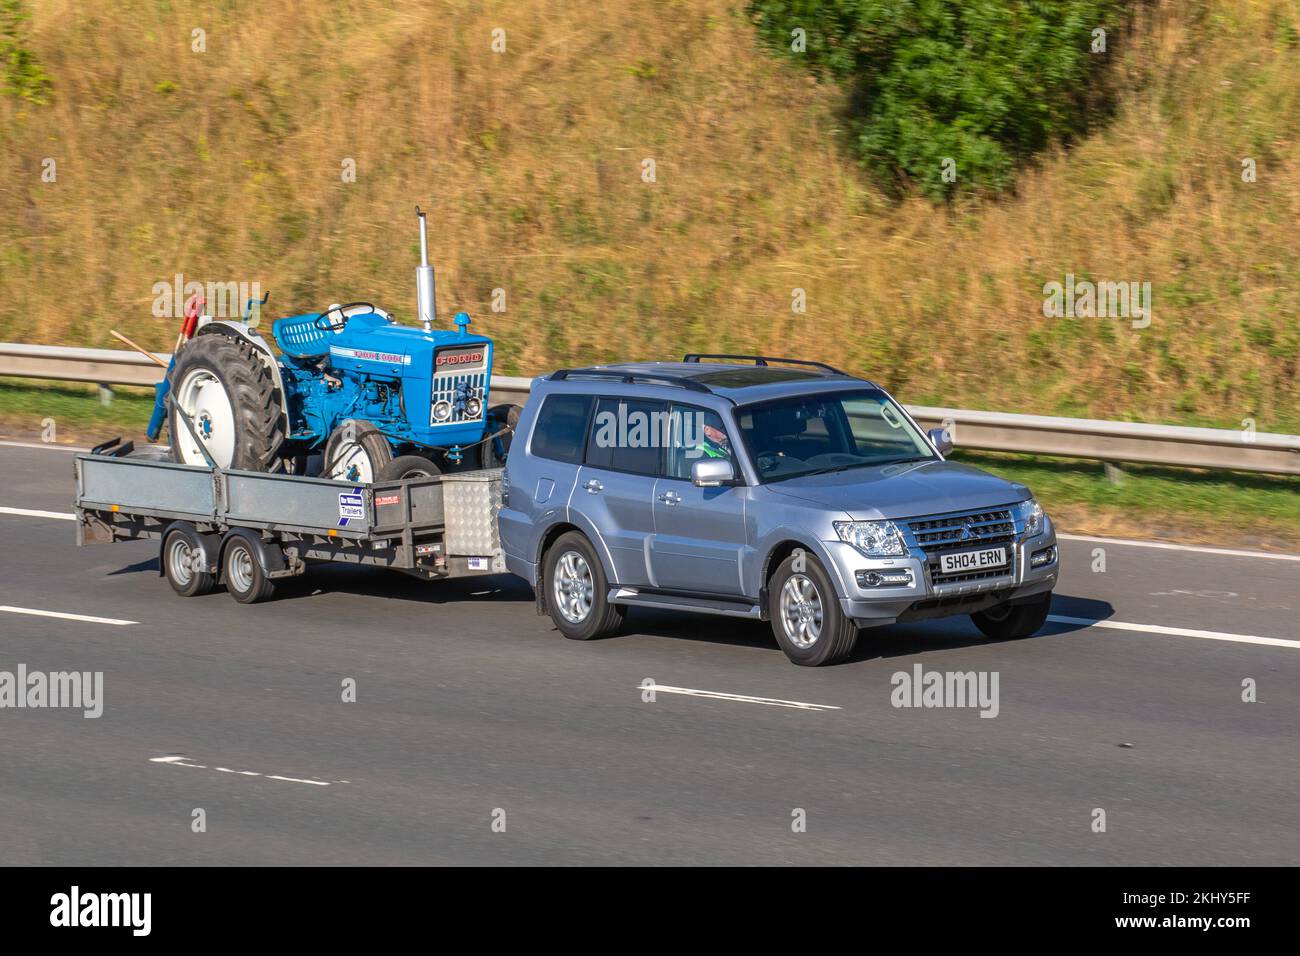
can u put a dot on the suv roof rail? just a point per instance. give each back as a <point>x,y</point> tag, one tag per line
<point>630,378</point>
<point>763,360</point>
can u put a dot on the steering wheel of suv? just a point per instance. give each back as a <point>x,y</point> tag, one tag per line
<point>327,324</point>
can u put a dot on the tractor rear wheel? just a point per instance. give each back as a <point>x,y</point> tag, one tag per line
<point>356,453</point>
<point>222,386</point>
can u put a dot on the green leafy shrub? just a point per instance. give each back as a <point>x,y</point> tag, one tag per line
<point>984,83</point>
<point>20,72</point>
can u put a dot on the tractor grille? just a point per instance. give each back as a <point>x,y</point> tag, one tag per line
<point>945,534</point>
<point>445,388</point>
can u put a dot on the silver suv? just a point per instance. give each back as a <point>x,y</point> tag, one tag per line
<point>763,488</point>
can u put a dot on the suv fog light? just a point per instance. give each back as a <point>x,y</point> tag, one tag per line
<point>884,579</point>
<point>1040,559</point>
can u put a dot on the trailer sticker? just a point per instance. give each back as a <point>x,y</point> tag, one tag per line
<point>478,564</point>
<point>351,506</point>
<point>389,500</point>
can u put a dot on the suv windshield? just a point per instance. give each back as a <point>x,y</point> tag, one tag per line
<point>812,434</point>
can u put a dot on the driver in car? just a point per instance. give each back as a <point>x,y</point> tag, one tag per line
<point>713,444</point>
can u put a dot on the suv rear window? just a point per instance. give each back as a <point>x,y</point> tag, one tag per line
<point>561,430</point>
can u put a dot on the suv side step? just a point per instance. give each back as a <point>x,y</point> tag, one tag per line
<point>678,602</point>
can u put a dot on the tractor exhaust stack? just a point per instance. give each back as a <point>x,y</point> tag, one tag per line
<point>425,298</point>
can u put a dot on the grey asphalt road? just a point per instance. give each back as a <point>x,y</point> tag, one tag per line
<point>471,709</point>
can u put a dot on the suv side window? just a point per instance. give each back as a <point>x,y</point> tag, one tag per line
<point>696,434</point>
<point>561,429</point>
<point>627,435</point>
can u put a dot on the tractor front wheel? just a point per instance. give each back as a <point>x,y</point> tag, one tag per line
<point>356,453</point>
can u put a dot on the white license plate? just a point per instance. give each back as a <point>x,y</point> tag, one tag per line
<point>972,560</point>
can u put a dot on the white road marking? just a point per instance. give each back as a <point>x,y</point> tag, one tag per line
<point>177,761</point>
<point>741,698</point>
<point>1165,546</point>
<point>29,513</point>
<point>63,615</point>
<point>1176,631</point>
<point>46,445</point>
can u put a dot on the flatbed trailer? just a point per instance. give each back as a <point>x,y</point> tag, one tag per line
<point>246,529</point>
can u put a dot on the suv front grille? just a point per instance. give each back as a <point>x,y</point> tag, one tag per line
<point>944,534</point>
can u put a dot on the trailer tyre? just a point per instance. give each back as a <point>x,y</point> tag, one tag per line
<point>576,590</point>
<point>181,551</point>
<point>225,389</point>
<point>243,575</point>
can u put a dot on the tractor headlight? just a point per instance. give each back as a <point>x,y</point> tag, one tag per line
<point>473,408</point>
<point>875,539</point>
<point>442,411</point>
<point>1030,513</point>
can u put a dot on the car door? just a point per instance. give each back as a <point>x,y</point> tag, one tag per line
<point>700,534</point>
<point>616,484</point>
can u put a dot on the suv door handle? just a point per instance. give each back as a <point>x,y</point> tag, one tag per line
<point>670,498</point>
<point>594,486</point>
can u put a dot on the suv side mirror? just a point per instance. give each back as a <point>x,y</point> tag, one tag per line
<point>941,440</point>
<point>712,473</point>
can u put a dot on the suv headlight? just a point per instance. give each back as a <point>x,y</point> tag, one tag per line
<point>1030,513</point>
<point>875,539</point>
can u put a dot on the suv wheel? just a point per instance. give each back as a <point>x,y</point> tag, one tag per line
<point>576,590</point>
<point>1006,622</point>
<point>809,624</point>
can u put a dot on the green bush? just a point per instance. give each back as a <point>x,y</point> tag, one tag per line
<point>20,72</point>
<point>985,83</point>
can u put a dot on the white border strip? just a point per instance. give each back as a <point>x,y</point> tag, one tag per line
<point>28,513</point>
<point>1176,631</point>
<point>1163,546</point>
<point>64,616</point>
<point>740,698</point>
<point>46,445</point>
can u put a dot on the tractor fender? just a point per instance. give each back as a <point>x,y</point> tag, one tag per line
<point>240,330</point>
<point>269,555</point>
<point>210,543</point>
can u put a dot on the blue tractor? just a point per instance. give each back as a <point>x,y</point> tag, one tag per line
<point>373,399</point>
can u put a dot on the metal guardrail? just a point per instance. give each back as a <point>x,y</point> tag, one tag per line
<point>1171,445</point>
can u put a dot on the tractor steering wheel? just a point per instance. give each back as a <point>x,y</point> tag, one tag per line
<point>326,324</point>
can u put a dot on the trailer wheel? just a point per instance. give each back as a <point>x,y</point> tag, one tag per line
<point>243,574</point>
<point>180,552</point>
<point>576,590</point>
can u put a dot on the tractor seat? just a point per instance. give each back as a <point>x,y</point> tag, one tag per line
<point>298,336</point>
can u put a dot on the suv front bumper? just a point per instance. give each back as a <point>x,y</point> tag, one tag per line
<point>884,603</point>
